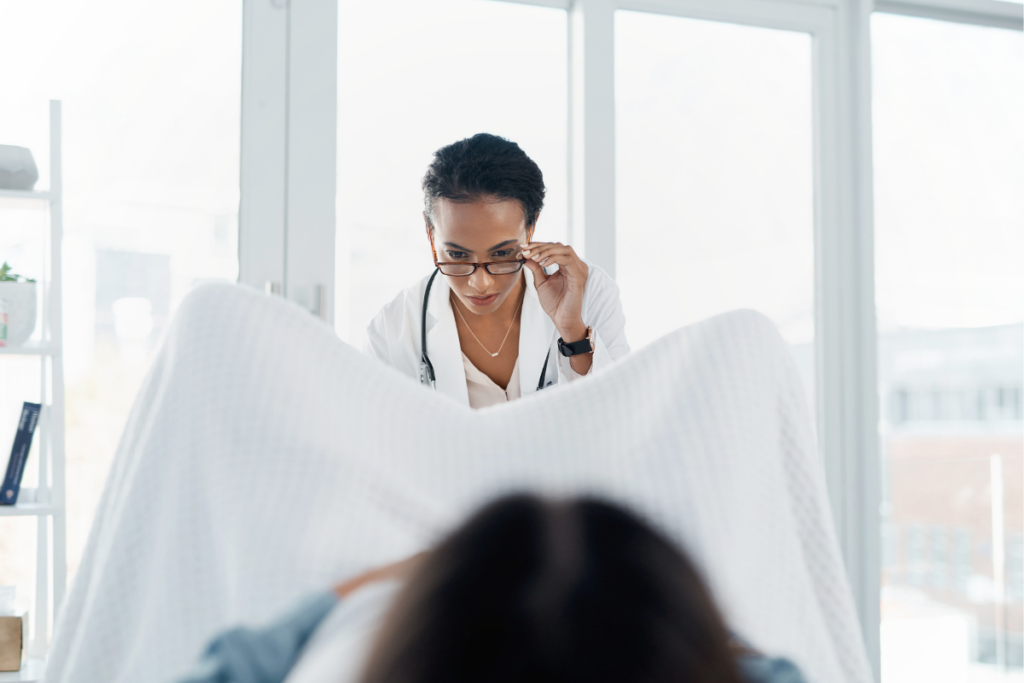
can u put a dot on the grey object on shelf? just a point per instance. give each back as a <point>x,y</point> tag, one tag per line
<point>21,310</point>
<point>17,168</point>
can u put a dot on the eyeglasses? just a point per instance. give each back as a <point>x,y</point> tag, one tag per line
<point>467,269</point>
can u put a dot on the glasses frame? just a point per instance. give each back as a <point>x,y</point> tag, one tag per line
<point>486,266</point>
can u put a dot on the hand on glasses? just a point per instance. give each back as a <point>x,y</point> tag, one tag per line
<point>561,292</point>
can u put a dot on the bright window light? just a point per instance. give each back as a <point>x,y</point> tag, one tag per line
<point>714,176</point>
<point>151,99</point>
<point>415,76</point>
<point>949,237</point>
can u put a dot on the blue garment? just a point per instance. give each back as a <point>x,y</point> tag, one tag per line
<point>266,655</point>
<point>760,669</point>
<point>262,655</point>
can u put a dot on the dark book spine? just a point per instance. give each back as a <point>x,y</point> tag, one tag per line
<point>19,453</point>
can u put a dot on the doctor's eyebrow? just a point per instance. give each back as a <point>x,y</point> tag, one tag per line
<point>494,248</point>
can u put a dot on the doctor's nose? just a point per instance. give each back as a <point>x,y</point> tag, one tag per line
<point>481,280</point>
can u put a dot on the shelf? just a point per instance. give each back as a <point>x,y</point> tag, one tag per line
<point>51,542</point>
<point>27,195</point>
<point>32,348</point>
<point>31,672</point>
<point>26,510</point>
<point>21,199</point>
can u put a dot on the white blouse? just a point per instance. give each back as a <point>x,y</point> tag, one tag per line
<point>483,391</point>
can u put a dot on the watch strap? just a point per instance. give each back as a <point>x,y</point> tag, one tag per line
<point>585,345</point>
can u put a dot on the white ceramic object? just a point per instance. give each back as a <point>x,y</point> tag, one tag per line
<point>17,168</point>
<point>21,310</point>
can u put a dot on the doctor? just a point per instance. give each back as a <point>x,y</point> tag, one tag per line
<point>496,320</point>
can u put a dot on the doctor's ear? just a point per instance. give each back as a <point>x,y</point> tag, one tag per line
<point>429,227</point>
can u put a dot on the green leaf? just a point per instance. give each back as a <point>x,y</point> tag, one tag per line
<point>7,276</point>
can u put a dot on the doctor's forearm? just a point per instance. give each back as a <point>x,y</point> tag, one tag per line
<point>581,363</point>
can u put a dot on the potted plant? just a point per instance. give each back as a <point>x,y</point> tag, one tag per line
<point>19,294</point>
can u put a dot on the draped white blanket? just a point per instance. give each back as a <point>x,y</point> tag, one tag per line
<point>265,458</point>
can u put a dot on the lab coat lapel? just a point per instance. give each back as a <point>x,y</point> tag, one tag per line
<point>443,344</point>
<point>536,331</point>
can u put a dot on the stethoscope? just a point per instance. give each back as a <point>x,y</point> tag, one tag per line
<point>427,368</point>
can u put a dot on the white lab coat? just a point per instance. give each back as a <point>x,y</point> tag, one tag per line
<point>394,334</point>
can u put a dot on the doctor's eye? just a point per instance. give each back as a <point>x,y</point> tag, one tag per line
<point>502,253</point>
<point>457,254</point>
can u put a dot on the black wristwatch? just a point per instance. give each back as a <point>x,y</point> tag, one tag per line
<point>585,345</point>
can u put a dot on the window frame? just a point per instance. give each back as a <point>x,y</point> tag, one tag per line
<point>288,185</point>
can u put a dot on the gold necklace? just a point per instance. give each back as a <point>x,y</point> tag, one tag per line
<point>495,354</point>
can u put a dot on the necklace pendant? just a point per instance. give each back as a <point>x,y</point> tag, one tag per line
<point>494,355</point>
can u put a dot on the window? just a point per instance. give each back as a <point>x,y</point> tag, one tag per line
<point>949,165</point>
<point>1015,567</point>
<point>939,567</point>
<point>962,559</point>
<point>151,145</point>
<point>714,170</point>
<point>441,71</point>
<point>916,557</point>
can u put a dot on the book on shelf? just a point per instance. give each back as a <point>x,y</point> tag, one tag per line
<point>19,453</point>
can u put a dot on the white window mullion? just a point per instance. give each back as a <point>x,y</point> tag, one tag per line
<point>288,151</point>
<point>312,155</point>
<point>994,13</point>
<point>845,302</point>
<point>592,130</point>
<point>261,213</point>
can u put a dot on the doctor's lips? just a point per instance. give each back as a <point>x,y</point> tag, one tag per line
<point>483,300</point>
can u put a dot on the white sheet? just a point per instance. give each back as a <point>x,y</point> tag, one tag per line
<point>338,650</point>
<point>264,458</point>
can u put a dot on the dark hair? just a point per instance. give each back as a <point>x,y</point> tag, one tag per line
<point>481,167</point>
<point>539,591</point>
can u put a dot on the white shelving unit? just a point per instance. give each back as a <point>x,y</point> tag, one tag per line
<point>48,504</point>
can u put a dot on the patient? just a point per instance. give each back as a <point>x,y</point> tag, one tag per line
<point>528,590</point>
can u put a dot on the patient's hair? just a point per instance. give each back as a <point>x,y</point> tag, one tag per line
<point>484,167</point>
<point>538,591</point>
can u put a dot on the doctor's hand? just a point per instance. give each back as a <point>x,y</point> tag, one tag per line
<point>561,293</point>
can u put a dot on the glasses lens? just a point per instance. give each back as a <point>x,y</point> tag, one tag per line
<point>456,269</point>
<point>505,267</point>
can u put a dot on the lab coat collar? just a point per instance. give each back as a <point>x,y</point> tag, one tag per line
<point>536,332</point>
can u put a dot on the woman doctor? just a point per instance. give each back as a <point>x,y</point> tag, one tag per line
<point>496,320</point>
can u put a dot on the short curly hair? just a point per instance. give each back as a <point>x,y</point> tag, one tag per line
<point>480,167</point>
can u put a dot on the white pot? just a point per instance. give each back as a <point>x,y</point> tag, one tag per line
<point>21,310</point>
